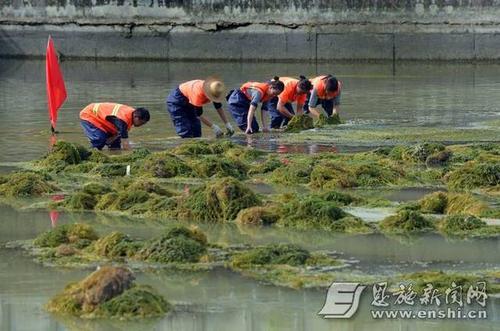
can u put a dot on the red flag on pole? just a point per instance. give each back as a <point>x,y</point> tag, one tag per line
<point>56,91</point>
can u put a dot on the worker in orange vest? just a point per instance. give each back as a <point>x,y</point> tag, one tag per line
<point>107,124</point>
<point>185,105</point>
<point>280,108</point>
<point>326,92</point>
<point>243,102</point>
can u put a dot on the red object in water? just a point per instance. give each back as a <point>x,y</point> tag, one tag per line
<point>56,91</point>
<point>54,216</point>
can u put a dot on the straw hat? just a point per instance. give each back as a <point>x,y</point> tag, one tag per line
<point>214,89</point>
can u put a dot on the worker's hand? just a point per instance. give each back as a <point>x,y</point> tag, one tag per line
<point>217,130</point>
<point>249,130</point>
<point>230,130</point>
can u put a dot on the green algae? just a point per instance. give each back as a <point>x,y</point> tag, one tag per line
<point>116,245</point>
<point>271,163</point>
<point>324,120</point>
<point>243,154</point>
<point>137,154</point>
<point>109,292</point>
<point>201,147</point>
<point>474,174</point>
<point>406,221</point>
<point>463,225</point>
<point>122,201</point>
<point>163,165</point>
<point>80,201</point>
<point>62,154</point>
<point>178,244</point>
<point>110,170</point>
<point>294,171</point>
<point>341,198</point>
<point>286,265</point>
<point>96,188</point>
<point>26,184</point>
<point>272,254</point>
<point>435,202</point>
<point>311,212</point>
<point>140,301</point>
<point>299,122</point>
<point>66,233</point>
<point>148,185</point>
<point>217,166</point>
<point>217,201</point>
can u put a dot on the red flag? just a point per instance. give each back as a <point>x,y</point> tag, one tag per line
<point>56,91</point>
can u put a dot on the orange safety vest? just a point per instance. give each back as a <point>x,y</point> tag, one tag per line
<point>96,114</point>
<point>193,91</point>
<point>289,94</point>
<point>261,87</point>
<point>319,84</point>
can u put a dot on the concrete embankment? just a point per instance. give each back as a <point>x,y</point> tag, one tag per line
<point>254,30</point>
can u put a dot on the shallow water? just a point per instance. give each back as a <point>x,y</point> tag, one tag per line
<point>221,300</point>
<point>453,95</point>
<point>435,95</point>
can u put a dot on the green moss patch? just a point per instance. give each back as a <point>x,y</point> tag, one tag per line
<point>66,233</point>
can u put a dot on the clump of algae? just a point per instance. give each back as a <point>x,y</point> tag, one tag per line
<point>217,166</point>
<point>148,185</point>
<point>62,154</point>
<point>299,123</point>
<point>109,292</point>
<point>271,163</point>
<point>115,245</point>
<point>272,254</point>
<point>66,234</point>
<point>452,203</point>
<point>295,170</point>
<point>460,223</point>
<point>164,165</point>
<point>80,201</point>
<point>474,174</point>
<point>327,120</point>
<point>435,202</point>
<point>26,184</point>
<point>122,201</point>
<point>200,147</point>
<point>311,212</point>
<point>406,221</point>
<point>96,188</point>
<point>178,244</point>
<point>217,201</point>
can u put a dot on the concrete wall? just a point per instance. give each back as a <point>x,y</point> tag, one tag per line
<point>270,30</point>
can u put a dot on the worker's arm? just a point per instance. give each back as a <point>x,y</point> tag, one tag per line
<point>251,114</point>
<point>313,102</point>
<point>336,105</point>
<point>122,129</point>
<point>263,114</point>
<point>256,96</point>
<point>281,108</point>
<point>218,132</point>
<point>222,115</point>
